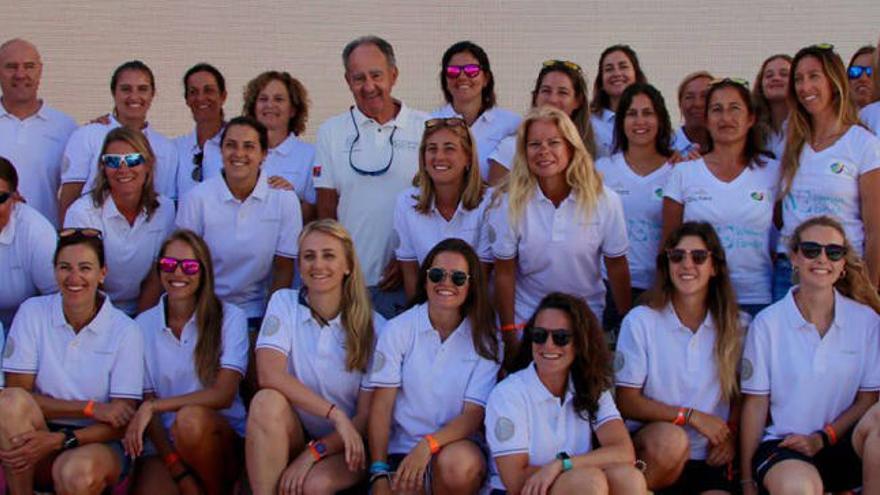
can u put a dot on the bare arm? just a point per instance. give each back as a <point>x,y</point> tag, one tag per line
<point>505,285</point>
<point>282,273</point>
<point>869,184</point>
<point>379,425</point>
<point>328,201</point>
<point>66,196</point>
<point>497,173</point>
<point>621,287</point>
<point>752,423</point>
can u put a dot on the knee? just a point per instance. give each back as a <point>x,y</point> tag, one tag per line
<point>667,446</point>
<point>267,407</point>
<point>16,404</point>
<point>460,469</point>
<point>624,478</point>
<point>796,485</point>
<point>582,480</point>
<point>318,483</point>
<point>76,474</point>
<point>191,424</point>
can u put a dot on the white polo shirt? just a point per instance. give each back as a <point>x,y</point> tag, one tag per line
<point>244,236</point>
<point>434,379</point>
<point>293,159</point>
<point>741,212</point>
<point>27,245</point>
<point>83,151</point>
<point>420,232</point>
<point>671,364</point>
<point>488,130</point>
<point>35,146</point>
<point>130,250</point>
<point>187,148</point>
<point>523,417</point>
<point>680,142</point>
<point>810,379</point>
<point>558,249</point>
<point>316,355</point>
<point>103,361</point>
<point>169,362</point>
<point>827,183</point>
<point>870,116</point>
<point>505,152</point>
<point>603,130</point>
<point>642,198</point>
<point>366,203</point>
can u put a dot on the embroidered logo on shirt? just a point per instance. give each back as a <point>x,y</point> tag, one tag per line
<point>658,193</point>
<point>504,429</point>
<point>838,167</point>
<point>271,326</point>
<point>747,369</point>
<point>316,171</point>
<point>757,196</point>
<point>378,362</point>
<point>619,361</point>
<point>10,348</point>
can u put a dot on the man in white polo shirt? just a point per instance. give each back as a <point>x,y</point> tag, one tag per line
<point>32,135</point>
<point>365,157</point>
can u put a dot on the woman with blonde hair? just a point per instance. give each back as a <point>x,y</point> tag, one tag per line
<point>306,424</point>
<point>676,366</point>
<point>770,96</point>
<point>448,200</point>
<point>809,370</point>
<point>195,356</point>
<point>551,223</point>
<point>133,217</point>
<point>830,162</point>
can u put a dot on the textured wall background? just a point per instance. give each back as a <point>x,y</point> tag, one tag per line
<point>82,42</point>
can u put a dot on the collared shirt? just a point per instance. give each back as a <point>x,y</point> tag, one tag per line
<point>523,417</point>
<point>418,233</point>
<point>827,183</point>
<point>488,129</point>
<point>681,143</point>
<point>27,246</point>
<point>741,212</point>
<point>244,236</point>
<point>603,130</point>
<point>293,159</point>
<point>169,362</point>
<point>870,116</point>
<point>2,353</point>
<point>366,203</point>
<point>131,250</point>
<point>434,379</point>
<point>672,364</point>
<point>505,152</point>
<point>316,355</point>
<point>84,148</point>
<point>35,146</point>
<point>811,379</point>
<point>103,361</point>
<point>642,198</point>
<point>187,149</point>
<point>558,249</point>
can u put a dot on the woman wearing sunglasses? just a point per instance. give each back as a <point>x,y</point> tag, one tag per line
<point>134,219</point>
<point>195,355</point>
<point>733,186</point>
<point>831,162</point>
<point>449,199</point>
<point>809,370</point>
<point>74,373</point>
<point>280,102</point>
<point>469,90</point>
<point>618,68</point>
<point>27,242</point>
<point>870,114</point>
<point>552,223</point>
<point>306,426</point>
<point>199,158</point>
<point>541,419</point>
<point>860,72</point>
<point>770,94</point>
<point>676,367</point>
<point>433,370</point>
<point>133,87</point>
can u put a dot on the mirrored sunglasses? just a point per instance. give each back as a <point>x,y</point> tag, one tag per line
<point>115,161</point>
<point>169,264</point>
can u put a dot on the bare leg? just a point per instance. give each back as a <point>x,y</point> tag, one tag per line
<point>151,477</point>
<point>20,414</point>
<point>459,468</point>
<point>273,432</point>
<point>587,481</point>
<point>86,470</point>
<point>793,477</point>
<point>625,479</point>
<point>207,443</point>
<point>665,449</point>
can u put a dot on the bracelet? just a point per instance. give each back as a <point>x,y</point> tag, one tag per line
<point>512,327</point>
<point>378,467</point>
<point>687,416</point>
<point>89,410</point>
<point>332,407</point>
<point>376,476</point>
<point>832,435</point>
<point>748,482</point>
<point>180,476</point>
<point>680,418</point>
<point>171,459</point>
<point>826,441</point>
<point>317,449</point>
<point>433,445</point>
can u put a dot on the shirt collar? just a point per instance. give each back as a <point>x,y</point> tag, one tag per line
<point>260,192</point>
<point>425,326</point>
<point>446,111</point>
<point>607,115</point>
<point>539,195</point>
<point>672,317</point>
<point>402,119</point>
<point>188,328</point>
<point>41,113</point>
<point>537,387</point>
<point>305,314</point>
<point>286,146</point>
<point>7,235</point>
<point>114,123</point>
<point>101,323</point>
<point>796,319</point>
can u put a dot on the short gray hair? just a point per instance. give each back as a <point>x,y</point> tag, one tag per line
<point>383,46</point>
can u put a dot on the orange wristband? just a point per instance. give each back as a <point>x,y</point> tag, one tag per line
<point>432,444</point>
<point>171,459</point>
<point>89,410</point>
<point>314,451</point>
<point>512,327</point>
<point>832,435</point>
<point>680,418</point>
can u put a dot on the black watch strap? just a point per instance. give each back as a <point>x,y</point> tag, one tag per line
<point>70,440</point>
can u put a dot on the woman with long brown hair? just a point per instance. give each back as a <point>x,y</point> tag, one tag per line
<point>770,96</point>
<point>618,68</point>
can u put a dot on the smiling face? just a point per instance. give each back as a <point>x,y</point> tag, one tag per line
<point>862,88</point>
<point>323,263</point>
<point>370,78</point>
<point>242,153</point>
<point>819,272</point>
<point>78,274</point>
<point>690,278</point>
<point>812,86</point>
<point>547,152</point>
<point>693,102</point>
<point>445,157</point>
<point>549,358</point>
<point>20,72</point>
<point>125,180</point>
<point>445,294</point>
<point>178,285</point>
<point>465,89</point>
<point>728,118</point>
<point>204,98</point>
<point>617,73</point>
<point>273,108</point>
<point>774,79</point>
<point>640,122</point>
<point>557,90</point>
<point>133,95</point>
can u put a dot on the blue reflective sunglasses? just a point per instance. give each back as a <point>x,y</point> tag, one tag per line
<point>856,71</point>
<point>115,161</point>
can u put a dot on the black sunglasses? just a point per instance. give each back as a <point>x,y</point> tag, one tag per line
<point>458,277</point>
<point>698,256</point>
<point>80,232</point>
<point>561,336</point>
<point>812,250</point>
<point>4,197</point>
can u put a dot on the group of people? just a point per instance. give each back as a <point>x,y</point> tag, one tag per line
<point>423,303</point>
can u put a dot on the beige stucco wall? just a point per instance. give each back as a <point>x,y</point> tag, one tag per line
<point>82,42</point>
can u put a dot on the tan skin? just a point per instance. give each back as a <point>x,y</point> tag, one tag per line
<point>205,101</point>
<point>862,89</point>
<point>20,72</point>
<point>692,103</point>
<point>774,82</point>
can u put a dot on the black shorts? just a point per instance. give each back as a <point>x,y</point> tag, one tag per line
<point>839,466</point>
<point>699,477</point>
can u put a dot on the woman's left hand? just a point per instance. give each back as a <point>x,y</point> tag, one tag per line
<point>809,445</point>
<point>293,479</point>
<point>133,442</point>
<point>410,475</point>
<point>540,482</point>
<point>722,453</point>
<point>278,182</point>
<point>28,449</point>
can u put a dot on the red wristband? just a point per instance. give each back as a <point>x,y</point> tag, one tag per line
<point>432,444</point>
<point>171,459</point>
<point>313,448</point>
<point>681,417</point>
<point>89,410</point>
<point>512,327</point>
<point>832,435</point>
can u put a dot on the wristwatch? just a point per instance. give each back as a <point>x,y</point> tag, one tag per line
<point>70,440</point>
<point>566,461</point>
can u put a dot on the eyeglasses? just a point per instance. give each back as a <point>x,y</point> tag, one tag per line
<point>448,122</point>
<point>458,277</point>
<point>730,80</point>
<point>168,264</point>
<point>566,63</point>
<point>198,158</point>
<point>470,70</point>
<point>80,232</point>
<point>4,197</point>
<point>698,256</point>
<point>357,137</point>
<point>561,337</point>
<point>812,250</point>
<point>856,71</point>
<point>115,161</point>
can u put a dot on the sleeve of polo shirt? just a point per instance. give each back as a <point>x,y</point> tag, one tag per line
<point>615,242</point>
<point>507,422</point>
<point>309,195</point>
<point>674,184</point>
<point>631,356</point>
<point>404,250</point>
<point>871,376</point>
<point>76,161</point>
<point>189,215</point>
<point>22,354</point>
<point>755,366</point>
<point>76,216</point>
<point>502,238</point>
<point>235,340</point>
<point>607,411</point>
<point>291,222</point>
<point>323,168</point>
<point>504,152</point>
<point>390,352</point>
<point>484,247</point>
<point>127,380</point>
<point>870,159</point>
<point>276,331</point>
<point>482,382</point>
<point>42,242</point>
<point>378,327</point>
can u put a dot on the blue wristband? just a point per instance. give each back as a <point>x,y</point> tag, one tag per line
<point>566,461</point>
<point>379,467</point>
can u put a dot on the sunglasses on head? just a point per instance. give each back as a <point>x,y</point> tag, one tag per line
<point>81,232</point>
<point>735,80</point>
<point>470,70</point>
<point>4,197</point>
<point>698,256</point>
<point>812,250</point>
<point>561,337</point>
<point>168,264</point>
<point>448,122</point>
<point>823,46</point>
<point>458,277</point>
<point>566,63</point>
<point>115,161</point>
<point>856,71</point>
